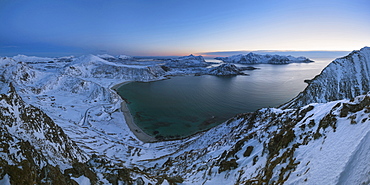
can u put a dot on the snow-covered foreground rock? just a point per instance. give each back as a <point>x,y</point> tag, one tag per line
<point>31,143</point>
<point>253,58</point>
<point>68,117</point>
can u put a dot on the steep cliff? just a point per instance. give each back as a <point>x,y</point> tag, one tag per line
<point>344,78</point>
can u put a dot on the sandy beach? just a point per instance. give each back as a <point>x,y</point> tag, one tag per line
<point>140,134</point>
<point>115,87</point>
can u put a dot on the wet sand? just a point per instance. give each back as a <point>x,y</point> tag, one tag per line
<point>140,134</point>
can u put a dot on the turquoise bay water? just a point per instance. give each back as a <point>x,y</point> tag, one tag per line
<point>184,105</point>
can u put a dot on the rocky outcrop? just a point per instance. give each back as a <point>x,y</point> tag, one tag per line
<point>344,78</point>
<point>252,58</point>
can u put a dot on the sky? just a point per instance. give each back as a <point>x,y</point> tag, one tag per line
<point>175,28</point>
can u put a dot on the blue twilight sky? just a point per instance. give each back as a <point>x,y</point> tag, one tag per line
<point>173,27</point>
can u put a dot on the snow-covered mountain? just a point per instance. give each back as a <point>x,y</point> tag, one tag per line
<point>344,78</point>
<point>24,58</point>
<point>225,70</point>
<point>62,121</point>
<point>91,66</point>
<point>123,57</point>
<point>253,58</point>
<point>118,57</point>
<point>187,61</point>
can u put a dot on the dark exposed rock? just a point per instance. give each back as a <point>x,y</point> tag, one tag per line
<point>79,169</point>
<point>248,151</point>
<point>227,165</point>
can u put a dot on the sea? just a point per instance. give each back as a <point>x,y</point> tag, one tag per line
<point>184,105</point>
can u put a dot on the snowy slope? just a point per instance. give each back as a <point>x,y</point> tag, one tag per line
<point>79,103</point>
<point>344,78</point>
<point>31,124</point>
<point>253,58</point>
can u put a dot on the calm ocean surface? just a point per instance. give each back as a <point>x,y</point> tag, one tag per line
<point>184,105</point>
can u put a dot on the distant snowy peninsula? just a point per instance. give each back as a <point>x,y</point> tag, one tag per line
<point>253,58</point>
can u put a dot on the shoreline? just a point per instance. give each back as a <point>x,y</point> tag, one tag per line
<point>136,130</point>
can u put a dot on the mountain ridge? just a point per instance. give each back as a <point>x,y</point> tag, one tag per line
<point>253,58</point>
<point>345,77</point>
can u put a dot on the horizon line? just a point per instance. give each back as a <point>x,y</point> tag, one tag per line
<point>204,54</point>
<point>289,52</point>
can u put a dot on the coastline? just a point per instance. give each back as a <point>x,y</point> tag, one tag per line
<point>138,132</point>
<point>115,87</point>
